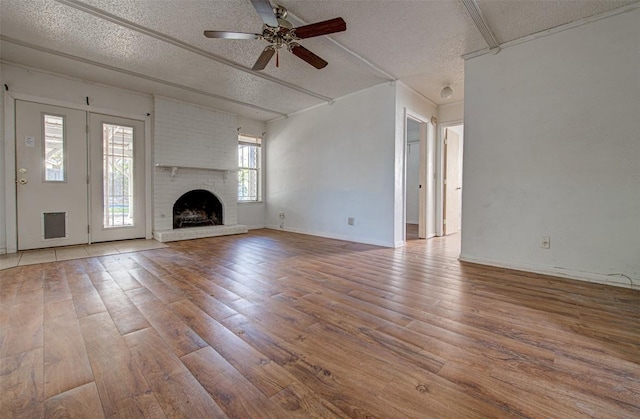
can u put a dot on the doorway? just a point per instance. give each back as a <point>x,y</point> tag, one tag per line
<point>453,142</point>
<point>419,196</point>
<point>81,177</point>
<point>413,180</point>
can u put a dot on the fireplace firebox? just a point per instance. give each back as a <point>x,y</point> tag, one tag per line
<point>197,208</point>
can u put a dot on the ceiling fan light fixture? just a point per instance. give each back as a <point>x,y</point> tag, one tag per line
<point>446,92</point>
<point>279,32</point>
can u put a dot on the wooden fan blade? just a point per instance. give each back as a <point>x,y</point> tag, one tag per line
<point>231,35</point>
<point>301,52</point>
<point>264,58</point>
<point>321,28</point>
<point>264,9</point>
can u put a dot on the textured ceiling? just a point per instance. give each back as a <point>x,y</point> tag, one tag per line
<point>157,46</point>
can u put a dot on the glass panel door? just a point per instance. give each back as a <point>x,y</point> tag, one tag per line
<point>117,178</point>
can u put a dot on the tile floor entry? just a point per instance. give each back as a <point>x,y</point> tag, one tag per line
<point>31,257</point>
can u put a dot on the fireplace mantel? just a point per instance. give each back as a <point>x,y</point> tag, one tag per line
<point>174,168</point>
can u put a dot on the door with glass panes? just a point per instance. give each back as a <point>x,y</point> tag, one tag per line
<point>51,165</point>
<point>117,178</point>
<point>59,201</point>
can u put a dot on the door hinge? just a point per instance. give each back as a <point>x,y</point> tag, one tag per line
<point>445,181</point>
<point>446,141</point>
<point>88,180</point>
<point>88,229</point>
<point>444,221</point>
<point>87,128</point>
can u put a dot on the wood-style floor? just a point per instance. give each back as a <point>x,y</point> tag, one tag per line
<point>275,324</point>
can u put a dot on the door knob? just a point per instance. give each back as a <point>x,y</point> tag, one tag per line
<point>22,170</point>
<point>23,181</point>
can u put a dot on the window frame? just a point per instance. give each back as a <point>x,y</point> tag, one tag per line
<point>251,141</point>
<point>63,137</point>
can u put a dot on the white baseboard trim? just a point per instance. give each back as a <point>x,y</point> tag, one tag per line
<point>255,227</point>
<point>332,236</point>
<point>598,278</point>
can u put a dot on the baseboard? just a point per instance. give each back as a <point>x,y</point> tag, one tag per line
<point>332,236</point>
<point>255,227</point>
<point>598,278</point>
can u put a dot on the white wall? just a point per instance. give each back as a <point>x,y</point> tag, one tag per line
<point>552,148</point>
<point>451,112</point>
<point>407,101</point>
<point>333,162</point>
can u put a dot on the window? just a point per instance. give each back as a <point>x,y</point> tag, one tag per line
<point>117,166</point>
<point>54,147</point>
<point>249,168</point>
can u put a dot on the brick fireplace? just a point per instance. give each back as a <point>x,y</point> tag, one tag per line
<point>195,149</point>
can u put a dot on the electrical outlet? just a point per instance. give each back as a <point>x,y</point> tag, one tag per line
<point>545,242</point>
<point>281,215</point>
<point>351,221</point>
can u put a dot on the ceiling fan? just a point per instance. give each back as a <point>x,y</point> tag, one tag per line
<point>279,33</point>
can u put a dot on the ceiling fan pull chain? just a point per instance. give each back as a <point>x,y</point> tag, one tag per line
<point>277,59</point>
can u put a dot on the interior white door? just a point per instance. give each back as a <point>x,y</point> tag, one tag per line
<point>451,182</point>
<point>51,164</point>
<point>117,178</point>
<point>422,192</point>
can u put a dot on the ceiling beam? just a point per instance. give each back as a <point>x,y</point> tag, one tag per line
<point>135,74</point>
<point>183,45</point>
<point>481,23</point>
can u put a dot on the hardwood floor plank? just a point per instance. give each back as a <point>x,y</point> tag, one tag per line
<point>21,385</point>
<point>268,345</point>
<point>80,402</point>
<point>267,376</point>
<point>206,285</point>
<point>412,397</point>
<point>124,313</point>
<point>125,281</point>
<point>85,297</point>
<point>21,313</point>
<point>177,391</point>
<point>117,377</point>
<point>56,287</point>
<point>66,365</point>
<point>300,402</point>
<point>230,389</point>
<point>177,335</point>
<point>161,291</point>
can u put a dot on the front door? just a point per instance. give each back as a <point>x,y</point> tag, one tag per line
<point>51,164</point>
<point>60,201</point>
